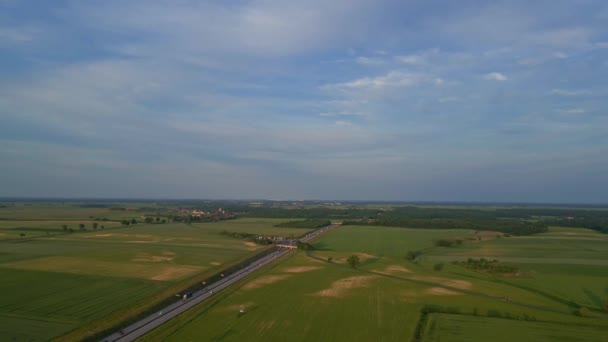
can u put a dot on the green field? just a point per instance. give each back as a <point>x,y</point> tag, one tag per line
<point>86,280</point>
<point>462,328</point>
<point>13,229</point>
<point>64,211</point>
<point>305,298</point>
<point>70,285</point>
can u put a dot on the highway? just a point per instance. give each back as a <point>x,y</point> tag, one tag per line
<point>147,324</point>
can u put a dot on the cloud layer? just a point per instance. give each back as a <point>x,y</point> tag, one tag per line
<point>378,100</point>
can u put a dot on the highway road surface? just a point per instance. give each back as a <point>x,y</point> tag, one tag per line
<point>147,324</point>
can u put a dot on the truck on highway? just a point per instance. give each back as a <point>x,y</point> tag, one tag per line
<point>187,295</point>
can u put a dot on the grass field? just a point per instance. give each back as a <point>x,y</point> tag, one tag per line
<point>457,328</point>
<point>78,282</point>
<point>64,281</point>
<point>12,229</point>
<point>66,211</point>
<point>306,298</point>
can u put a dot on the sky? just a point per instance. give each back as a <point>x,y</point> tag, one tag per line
<point>502,101</point>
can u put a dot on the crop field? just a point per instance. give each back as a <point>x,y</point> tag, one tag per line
<point>462,328</point>
<point>14,229</point>
<point>306,297</point>
<point>59,211</point>
<point>63,281</point>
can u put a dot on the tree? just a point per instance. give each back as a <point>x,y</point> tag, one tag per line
<point>148,219</point>
<point>164,221</point>
<point>353,261</point>
<point>413,255</point>
<point>606,306</point>
<point>304,246</point>
<point>330,259</point>
<point>22,234</point>
<point>133,221</point>
<point>438,267</point>
<point>81,226</point>
<point>95,225</point>
<point>65,227</point>
<point>157,219</point>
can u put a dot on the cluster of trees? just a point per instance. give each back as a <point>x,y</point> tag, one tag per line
<point>190,218</point>
<point>599,224</point>
<point>508,315</point>
<point>157,219</point>
<point>304,246</point>
<point>438,266</point>
<point>81,226</point>
<point>491,266</point>
<point>447,242</point>
<point>128,222</point>
<point>308,224</point>
<point>311,213</point>
<point>236,235</point>
<point>512,227</point>
<point>448,218</point>
<point>413,255</point>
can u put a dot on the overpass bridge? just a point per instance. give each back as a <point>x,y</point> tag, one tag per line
<point>291,244</point>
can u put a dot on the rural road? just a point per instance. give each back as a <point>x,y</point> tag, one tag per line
<point>147,324</point>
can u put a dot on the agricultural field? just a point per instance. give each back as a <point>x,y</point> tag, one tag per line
<point>66,211</point>
<point>86,280</point>
<point>318,296</point>
<point>464,328</point>
<point>16,229</point>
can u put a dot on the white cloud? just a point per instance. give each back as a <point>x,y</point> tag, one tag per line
<point>410,59</point>
<point>254,28</point>
<point>343,123</point>
<point>369,61</point>
<point>419,58</point>
<point>495,76</point>
<point>560,55</point>
<point>10,35</point>
<point>568,92</point>
<point>574,111</point>
<point>391,79</point>
<point>575,37</point>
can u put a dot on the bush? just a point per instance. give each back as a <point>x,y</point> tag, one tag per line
<point>494,313</point>
<point>438,267</point>
<point>447,242</point>
<point>353,261</point>
<point>413,255</point>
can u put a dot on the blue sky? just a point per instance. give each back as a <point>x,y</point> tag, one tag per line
<point>363,100</point>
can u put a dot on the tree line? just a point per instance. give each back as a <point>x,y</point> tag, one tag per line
<point>512,227</point>
<point>308,224</point>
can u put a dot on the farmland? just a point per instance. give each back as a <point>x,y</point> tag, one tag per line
<point>443,327</point>
<point>88,279</point>
<point>86,271</point>
<point>391,299</point>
